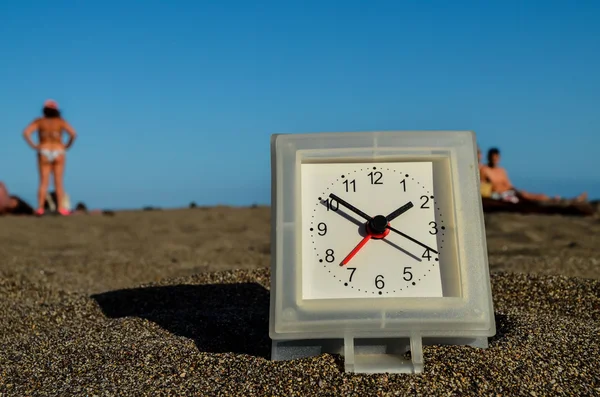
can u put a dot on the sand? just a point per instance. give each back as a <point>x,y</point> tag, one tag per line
<point>176,303</point>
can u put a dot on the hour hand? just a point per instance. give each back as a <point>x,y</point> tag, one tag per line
<point>350,207</point>
<point>399,211</point>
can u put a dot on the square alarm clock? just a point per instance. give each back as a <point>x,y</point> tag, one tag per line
<point>378,247</point>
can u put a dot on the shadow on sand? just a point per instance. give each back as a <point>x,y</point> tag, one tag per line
<point>220,318</point>
<point>505,328</point>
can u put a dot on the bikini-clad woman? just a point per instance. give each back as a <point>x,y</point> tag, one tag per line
<point>50,151</point>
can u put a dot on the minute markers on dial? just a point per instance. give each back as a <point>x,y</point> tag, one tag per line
<point>352,221</point>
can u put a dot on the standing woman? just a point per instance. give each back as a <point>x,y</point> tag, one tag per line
<point>50,152</point>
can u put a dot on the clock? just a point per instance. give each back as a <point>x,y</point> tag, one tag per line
<point>378,247</point>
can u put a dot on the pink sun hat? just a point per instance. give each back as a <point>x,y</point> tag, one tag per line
<point>51,104</point>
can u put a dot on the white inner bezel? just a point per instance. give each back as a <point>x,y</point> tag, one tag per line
<point>466,308</point>
<point>327,280</point>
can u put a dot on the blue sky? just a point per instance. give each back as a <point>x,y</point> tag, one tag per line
<point>175,101</point>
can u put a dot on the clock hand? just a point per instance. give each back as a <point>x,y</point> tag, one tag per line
<point>399,211</point>
<point>350,206</point>
<point>346,215</point>
<point>355,250</point>
<point>411,239</point>
<point>396,246</point>
<point>367,217</point>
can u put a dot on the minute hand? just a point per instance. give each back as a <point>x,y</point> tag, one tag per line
<point>411,239</point>
<point>350,207</point>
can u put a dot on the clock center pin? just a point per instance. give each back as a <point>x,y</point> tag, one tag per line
<point>377,226</point>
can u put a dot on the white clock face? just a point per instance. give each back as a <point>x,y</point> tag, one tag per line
<point>370,230</point>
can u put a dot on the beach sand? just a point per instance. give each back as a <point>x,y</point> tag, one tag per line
<point>176,303</point>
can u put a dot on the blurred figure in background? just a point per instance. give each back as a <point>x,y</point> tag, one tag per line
<point>503,189</point>
<point>50,151</point>
<point>51,203</point>
<point>12,205</point>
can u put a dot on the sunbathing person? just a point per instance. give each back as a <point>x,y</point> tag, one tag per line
<point>12,205</point>
<point>51,151</point>
<point>502,187</point>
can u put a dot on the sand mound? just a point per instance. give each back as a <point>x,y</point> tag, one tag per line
<point>208,335</point>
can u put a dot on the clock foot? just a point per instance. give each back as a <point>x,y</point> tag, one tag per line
<point>361,355</point>
<point>385,355</point>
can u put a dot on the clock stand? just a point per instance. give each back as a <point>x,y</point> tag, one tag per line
<point>380,335</point>
<point>370,355</point>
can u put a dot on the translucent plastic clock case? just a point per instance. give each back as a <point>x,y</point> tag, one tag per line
<point>378,247</point>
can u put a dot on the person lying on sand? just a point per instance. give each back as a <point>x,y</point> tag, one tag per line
<point>503,189</point>
<point>12,205</point>
<point>51,151</point>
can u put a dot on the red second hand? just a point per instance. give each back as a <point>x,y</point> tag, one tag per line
<point>355,250</point>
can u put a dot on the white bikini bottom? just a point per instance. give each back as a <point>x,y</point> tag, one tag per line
<point>51,155</point>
